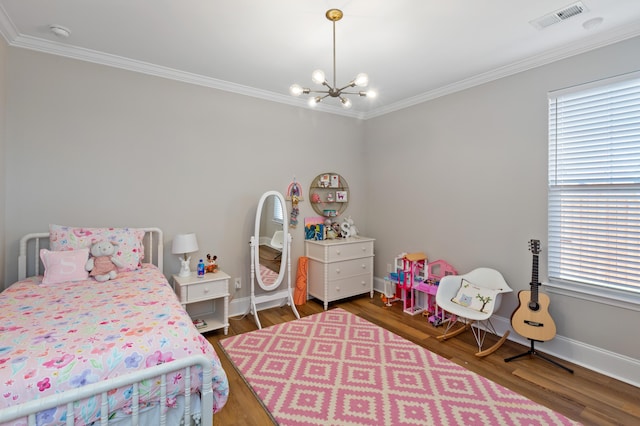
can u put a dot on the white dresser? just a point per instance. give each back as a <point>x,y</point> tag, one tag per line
<point>339,268</point>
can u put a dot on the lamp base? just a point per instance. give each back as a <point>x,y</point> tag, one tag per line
<point>184,267</point>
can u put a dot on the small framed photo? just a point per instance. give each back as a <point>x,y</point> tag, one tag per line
<point>325,181</point>
<point>335,181</point>
<point>341,197</point>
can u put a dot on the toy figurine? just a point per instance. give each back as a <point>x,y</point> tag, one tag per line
<point>211,265</point>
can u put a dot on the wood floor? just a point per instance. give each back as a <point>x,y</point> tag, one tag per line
<point>585,396</point>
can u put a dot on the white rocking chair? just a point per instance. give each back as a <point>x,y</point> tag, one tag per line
<point>471,299</point>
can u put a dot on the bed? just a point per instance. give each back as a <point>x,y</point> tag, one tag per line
<point>123,351</point>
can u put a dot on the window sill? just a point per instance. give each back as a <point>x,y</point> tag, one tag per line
<point>608,296</point>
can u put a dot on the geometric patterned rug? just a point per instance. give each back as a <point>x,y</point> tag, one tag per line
<point>335,368</point>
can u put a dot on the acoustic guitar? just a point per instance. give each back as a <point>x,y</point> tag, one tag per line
<point>531,319</point>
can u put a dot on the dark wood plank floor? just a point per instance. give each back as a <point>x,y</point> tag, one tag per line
<point>585,396</point>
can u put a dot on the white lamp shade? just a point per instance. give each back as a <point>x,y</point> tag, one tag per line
<point>184,243</point>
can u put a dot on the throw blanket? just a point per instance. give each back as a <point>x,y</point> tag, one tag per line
<point>63,336</point>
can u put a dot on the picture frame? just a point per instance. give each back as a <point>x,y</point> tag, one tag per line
<point>341,197</point>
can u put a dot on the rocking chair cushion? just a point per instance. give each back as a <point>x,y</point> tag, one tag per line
<point>479,299</point>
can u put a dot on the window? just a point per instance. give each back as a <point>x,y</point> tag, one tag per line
<point>278,215</point>
<point>594,187</point>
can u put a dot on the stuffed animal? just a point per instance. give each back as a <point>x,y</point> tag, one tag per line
<point>348,228</point>
<point>102,264</point>
<point>211,265</point>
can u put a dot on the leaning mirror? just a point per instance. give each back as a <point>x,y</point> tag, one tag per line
<point>270,230</point>
<point>270,253</point>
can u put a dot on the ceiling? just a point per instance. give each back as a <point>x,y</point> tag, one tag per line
<point>413,50</point>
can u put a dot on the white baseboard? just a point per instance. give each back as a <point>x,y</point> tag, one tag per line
<point>605,362</point>
<point>239,307</point>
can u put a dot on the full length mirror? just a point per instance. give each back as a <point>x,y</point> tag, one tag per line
<point>270,231</point>
<point>270,261</point>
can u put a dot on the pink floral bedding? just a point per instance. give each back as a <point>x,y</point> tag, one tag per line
<point>64,336</point>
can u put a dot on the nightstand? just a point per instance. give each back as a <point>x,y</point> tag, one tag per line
<point>205,298</point>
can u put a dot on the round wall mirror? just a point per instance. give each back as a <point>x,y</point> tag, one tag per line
<point>271,234</point>
<point>329,194</point>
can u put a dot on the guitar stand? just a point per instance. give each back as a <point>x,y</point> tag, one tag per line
<point>533,351</point>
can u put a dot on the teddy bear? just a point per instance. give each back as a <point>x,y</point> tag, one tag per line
<point>102,264</point>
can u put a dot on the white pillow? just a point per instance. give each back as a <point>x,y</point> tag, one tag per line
<point>477,298</point>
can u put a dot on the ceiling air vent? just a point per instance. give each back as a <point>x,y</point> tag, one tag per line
<point>560,15</point>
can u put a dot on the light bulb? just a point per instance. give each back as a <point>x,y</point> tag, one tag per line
<point>314,101</point>
<point>371,94</point>
<point>318,77</point>
<point>346,103</point>
<point>295,89</point>
<point>361,79</point>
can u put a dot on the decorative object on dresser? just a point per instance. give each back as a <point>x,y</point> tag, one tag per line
<point>267,225</point>
<point>531,318</point>
<point>339,268</point>
<point>205,299</point>
<point>184,244</point>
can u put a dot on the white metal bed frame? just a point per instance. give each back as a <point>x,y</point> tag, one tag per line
<point>101,389</point>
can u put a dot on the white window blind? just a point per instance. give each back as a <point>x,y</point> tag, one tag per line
<point>278,215</point>
<point>594,184</point>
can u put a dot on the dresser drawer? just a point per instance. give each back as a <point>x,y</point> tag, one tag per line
<point>206,290</point>
<point>349,251</point>
<point>349,268</point>
<point>348,287</point>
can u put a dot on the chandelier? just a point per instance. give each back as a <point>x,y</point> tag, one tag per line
<point>318,77</point>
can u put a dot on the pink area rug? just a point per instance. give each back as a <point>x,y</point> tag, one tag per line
<point>335,368</point>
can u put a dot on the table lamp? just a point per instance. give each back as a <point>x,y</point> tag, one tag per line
<point>183,244</point>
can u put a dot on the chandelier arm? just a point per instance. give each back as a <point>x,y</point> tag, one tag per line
<point>354,93</point>
<point>351,84</point>
<point>326,83</point>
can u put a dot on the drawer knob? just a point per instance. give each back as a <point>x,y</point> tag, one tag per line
<point>364,266</point>
<point>206,289</point>
<point>337,270</point>
<point>337,288</point>
<point>337,251</point>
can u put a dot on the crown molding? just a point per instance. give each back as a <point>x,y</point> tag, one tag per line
<point>7,29</point>
<point>14,39</point>
<point>585,45</point>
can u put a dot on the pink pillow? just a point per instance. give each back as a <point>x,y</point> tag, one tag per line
<point>64,266</point>
<point>130,251</point>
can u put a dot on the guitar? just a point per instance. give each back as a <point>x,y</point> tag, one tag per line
<point>531,319</point>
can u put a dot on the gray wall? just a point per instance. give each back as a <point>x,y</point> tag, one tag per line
<point>90,145</point>
<point>464,178</point>
<point>3,109</point>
